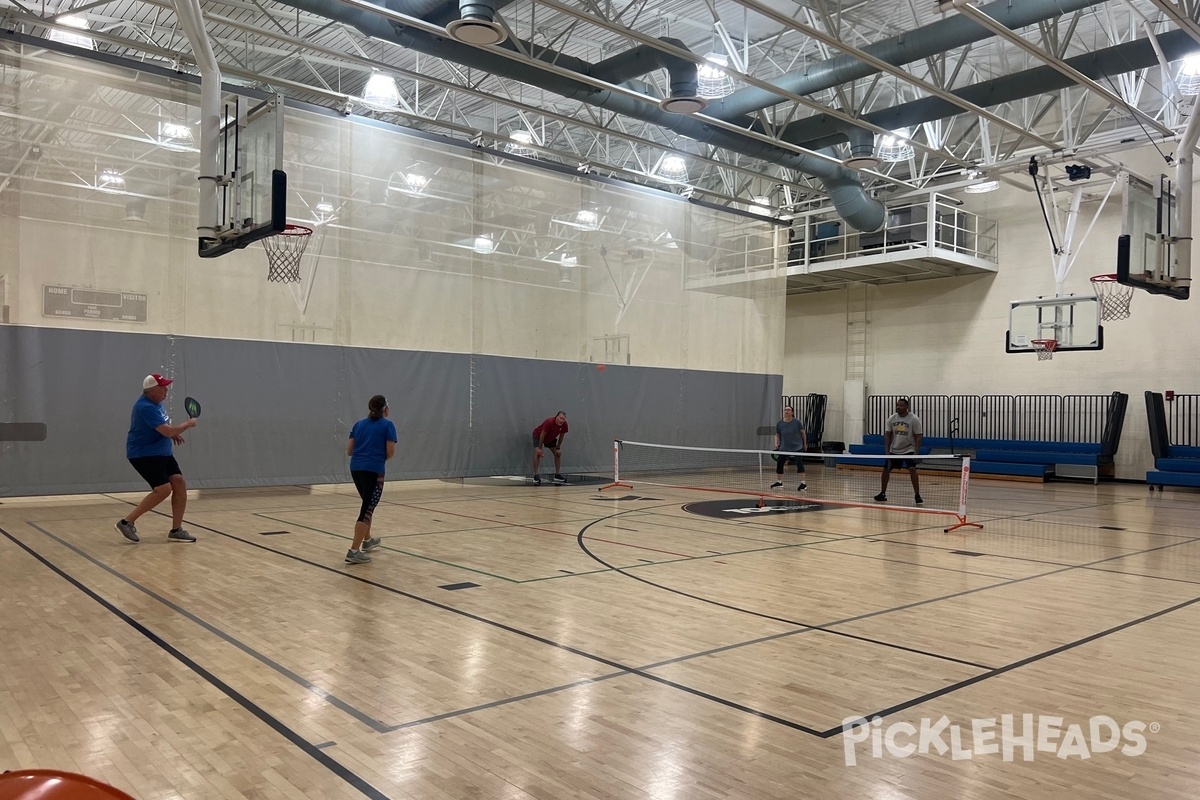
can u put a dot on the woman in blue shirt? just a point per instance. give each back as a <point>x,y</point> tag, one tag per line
<point>372,443</point>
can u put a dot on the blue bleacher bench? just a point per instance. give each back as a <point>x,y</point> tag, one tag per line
<point>1015,457</point>
<point>1180,467</point>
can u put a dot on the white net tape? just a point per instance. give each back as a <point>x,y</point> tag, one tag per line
<point>827,481</point>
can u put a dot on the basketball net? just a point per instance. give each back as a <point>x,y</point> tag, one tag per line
<point>284,251</point>
<point>1044,348</point>
<point>1114,297</point>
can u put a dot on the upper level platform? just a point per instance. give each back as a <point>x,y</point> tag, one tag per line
<point>932,237</point>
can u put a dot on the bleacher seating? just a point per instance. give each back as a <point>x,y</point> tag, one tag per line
<point>1021,458</point>
<point>1174,464</point>
<point>1007,456</point>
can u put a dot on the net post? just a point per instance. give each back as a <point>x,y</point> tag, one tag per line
<point>964,482</point>
<point>616,481</point>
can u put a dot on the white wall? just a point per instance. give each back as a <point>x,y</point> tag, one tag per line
<point>946,336</point>
<point>390,270</point>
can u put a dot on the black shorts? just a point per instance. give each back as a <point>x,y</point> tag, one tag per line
<point>551,443</point>
<point>899,463</point>
<point>156,470</point>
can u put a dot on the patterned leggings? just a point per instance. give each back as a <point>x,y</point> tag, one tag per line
<point>370,489</point>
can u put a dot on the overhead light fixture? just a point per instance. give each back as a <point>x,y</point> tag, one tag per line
<point>665,239</point>
<point>111,181</point>
<point>323,211</point>
<point>712,79</point>
<point>895,146</point>
<point>568,261</point>
<point>484,244</point>
<point>77,21</point>
<point>1189,75</point>
<point>585,219</point>
<point>521,144</point>
<point>672,168</point>
<point>416,182</point>
<point>979,185</point>
<point>381,92</point>
<point>413,184</point>
<point>761,206</point>
<point>135,209</point>
<point>982,187</point>
<point>177,137</point>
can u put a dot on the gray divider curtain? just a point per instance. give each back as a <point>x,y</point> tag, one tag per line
<point>279,413</point>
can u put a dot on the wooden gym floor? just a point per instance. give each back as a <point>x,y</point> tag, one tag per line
<point>517,642</point>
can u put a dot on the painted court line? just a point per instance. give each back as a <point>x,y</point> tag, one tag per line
<point>296,739</point>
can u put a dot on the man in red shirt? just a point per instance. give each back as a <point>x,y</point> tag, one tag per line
<point>550,434</point>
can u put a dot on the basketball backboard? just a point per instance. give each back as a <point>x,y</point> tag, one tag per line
<point>1072,321</point>
<point>1146,254</point>
<point>252,191</point>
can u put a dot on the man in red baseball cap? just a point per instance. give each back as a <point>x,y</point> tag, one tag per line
<point>148,448</point>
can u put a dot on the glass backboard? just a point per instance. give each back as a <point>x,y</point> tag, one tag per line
<point>1072,321</point>
<point>252,196</point>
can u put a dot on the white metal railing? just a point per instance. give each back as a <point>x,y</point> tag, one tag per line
<point>753,252</point>
<point>935,224</point>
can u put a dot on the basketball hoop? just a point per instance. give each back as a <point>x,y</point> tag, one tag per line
<point>1114,297</point>
<point>284,251</point>
<point>1044,348</point>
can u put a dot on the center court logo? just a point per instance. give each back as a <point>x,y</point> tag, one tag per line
<point>1009,737</point>
<point>748,509</point>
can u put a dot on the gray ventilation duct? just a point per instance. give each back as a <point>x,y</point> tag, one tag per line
<point>823,130</point>
<point>862,147</point>
<point>644,59</point>
<point>476,23</point>
<point>931,40</point>
<point>847,194</point>
<point>441,12</point>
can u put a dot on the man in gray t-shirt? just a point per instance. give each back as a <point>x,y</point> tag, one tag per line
<point>789,438</point>
<point>901,437</point>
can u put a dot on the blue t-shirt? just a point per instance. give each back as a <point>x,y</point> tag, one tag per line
<point>143,439</point>
<point>370,444</point>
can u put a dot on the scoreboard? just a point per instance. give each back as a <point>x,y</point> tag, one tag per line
<point>66,301</point>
